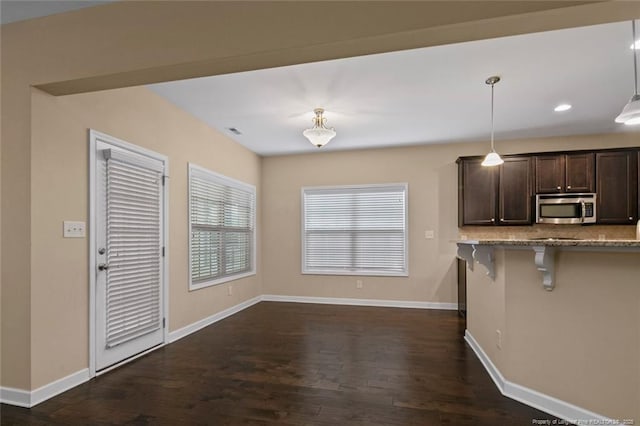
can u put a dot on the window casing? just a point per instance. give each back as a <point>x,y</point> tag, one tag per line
<point>355,230</point>
<point>221,228</point>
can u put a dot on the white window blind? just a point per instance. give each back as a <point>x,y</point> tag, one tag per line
<point>134,240</point>
<point>222,221</point>
<point>357,230</point>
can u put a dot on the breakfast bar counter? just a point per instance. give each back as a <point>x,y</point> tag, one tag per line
<point>482,251</point>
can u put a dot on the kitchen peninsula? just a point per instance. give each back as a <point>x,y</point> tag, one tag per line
<point>575,348</point>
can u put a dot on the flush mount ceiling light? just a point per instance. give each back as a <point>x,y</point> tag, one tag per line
<point>492,158</point>
<point>562,107</point>
<point>630,114</point>
<point>319,134</point>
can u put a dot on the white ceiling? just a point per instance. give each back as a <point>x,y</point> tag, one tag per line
<point>423,96</point>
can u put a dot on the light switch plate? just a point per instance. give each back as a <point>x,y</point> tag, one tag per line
<point>73,229</point>
<point>429,234</point>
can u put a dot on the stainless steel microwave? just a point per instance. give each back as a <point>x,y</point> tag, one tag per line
<point>566,208</point>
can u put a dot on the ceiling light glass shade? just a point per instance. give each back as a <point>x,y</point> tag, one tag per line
<point>492,159</point>
<point>630,114</point>
<point>319,134</point>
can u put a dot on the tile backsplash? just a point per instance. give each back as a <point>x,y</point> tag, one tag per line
<point>584,232</point>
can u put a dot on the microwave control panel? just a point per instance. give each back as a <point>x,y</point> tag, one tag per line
<point>588,209</point>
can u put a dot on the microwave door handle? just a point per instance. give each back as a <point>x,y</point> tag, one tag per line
<point>584,211</point>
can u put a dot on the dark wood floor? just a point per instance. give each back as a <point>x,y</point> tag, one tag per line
<point>298,364</point>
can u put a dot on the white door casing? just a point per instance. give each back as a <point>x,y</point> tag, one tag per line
<point>127,245</point>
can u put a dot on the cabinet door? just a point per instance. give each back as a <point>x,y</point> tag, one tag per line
<point>514,200</point>
<point>617,187</point>
<point>477,202</point>
<point>549,174</point>
<point>579,176</point>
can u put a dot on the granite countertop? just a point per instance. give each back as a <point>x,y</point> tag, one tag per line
<point>552,242</point>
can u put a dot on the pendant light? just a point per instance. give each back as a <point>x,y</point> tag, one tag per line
<point>319,134</point>
<point>492,158</point>
<point>630,114</point>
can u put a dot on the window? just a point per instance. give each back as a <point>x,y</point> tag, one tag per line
<point>222,223</point>
<point>355,230</point>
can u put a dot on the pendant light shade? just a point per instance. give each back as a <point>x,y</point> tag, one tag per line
<point>492,158</point>
<point>630,114</point>
<point>319,134</point>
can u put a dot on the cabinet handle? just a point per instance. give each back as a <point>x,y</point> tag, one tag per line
<point>568,186</point>
<point>493,219</point>
<point>630,217</point>
<point>558,188</point>
<point>502,219</point>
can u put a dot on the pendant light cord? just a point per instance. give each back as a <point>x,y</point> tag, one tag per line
<point>492,148</point>
<point>635,55</point>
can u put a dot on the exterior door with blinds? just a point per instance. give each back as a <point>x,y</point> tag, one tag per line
<point>129,282</point>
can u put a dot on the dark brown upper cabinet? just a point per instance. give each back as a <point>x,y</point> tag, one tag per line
<point>495,195</point>
<point>514,195</point>
<point>564,173</point>
<point>476,193</point>
<point>617,187</point>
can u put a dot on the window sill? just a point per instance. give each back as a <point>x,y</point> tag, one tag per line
<point>358,273</point>
<point>212,283</point>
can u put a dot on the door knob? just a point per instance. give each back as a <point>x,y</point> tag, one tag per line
<point>103,266</point>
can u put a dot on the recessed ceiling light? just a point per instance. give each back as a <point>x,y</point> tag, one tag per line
<point>636,44</point>
<point>562,107</point>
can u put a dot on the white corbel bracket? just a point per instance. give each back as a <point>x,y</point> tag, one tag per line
<point>483,254</point>
<point>545,262</point>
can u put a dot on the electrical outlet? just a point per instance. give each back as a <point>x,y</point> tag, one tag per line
<point>429,234</point>
<point>73,229</point>
<point>230,290</point>
<point>358,283</point>
<point>499,339</point>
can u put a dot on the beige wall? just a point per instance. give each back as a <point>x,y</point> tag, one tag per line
<point>59,178</point>
<point>432,178</point>
<point>431,173</point>
<point>579,343</point>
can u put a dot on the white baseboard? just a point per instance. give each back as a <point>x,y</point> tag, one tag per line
<point>554,406</point>
<point>18,397</point>
<point>360,302</point>
<point>28,399</point>
<point>192,328</point>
